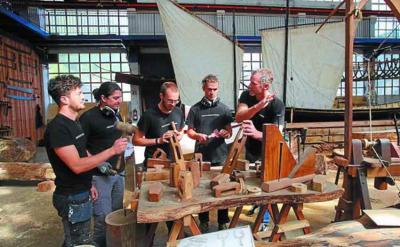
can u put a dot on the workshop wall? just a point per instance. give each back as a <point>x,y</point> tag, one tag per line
<point>20,90</point>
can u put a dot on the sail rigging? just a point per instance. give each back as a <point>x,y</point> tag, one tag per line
<point>317,64</point>
<point>193,42</point>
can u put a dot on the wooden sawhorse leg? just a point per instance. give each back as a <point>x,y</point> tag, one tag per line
<point>279,218</point>
<point>178,226</point>
<point>235,217</point>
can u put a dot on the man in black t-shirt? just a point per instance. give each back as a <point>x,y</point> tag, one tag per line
<point>98,125</point>
<point>154,127</point>
<point>65,144</point>
<point>209,124</point>
<point>258,106</point>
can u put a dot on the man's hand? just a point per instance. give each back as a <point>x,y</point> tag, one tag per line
<point>201,138</point>
<point>106,168</point>
<point>224,134</point>
<point>119,145</point>
<point>265,101</point>
<point>93,193</point>
<point>165,137</point>
<point>251,131</point>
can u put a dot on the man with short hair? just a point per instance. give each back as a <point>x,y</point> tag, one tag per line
<point>209,123</point>
<point>258,106</point>
<point>65,144</point>
<point>154,127</point>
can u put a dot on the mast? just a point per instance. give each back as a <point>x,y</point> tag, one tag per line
<point>234,63</point>
<point>286,52</point>
<point>349,44</point>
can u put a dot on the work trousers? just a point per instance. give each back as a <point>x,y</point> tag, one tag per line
<point>111,194</point>
<point>75,211</point>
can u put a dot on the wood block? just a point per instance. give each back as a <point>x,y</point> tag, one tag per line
<point>156,175</point>
<point>158,168</point>
<point>185,185</point>
<point>206,166</point>
<point>155,192</point>
<point>46,186</point>
<point>318,183</point>
<point>242,165</point>
<point>151,162</point>
<point>199,158</point>
<point>226,189</point>
<point>194,167</point>
<point>298,188</point>
<point>284,183</point>
<point>320,164</point>
<point>174,171</point>
<point>220,179</point>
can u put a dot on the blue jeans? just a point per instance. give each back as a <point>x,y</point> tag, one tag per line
<point>111,195</point>
<point>75,211</point>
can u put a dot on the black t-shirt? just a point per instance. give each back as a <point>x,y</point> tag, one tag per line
<point>205,119</point>
<point>155,123</point>
<point>274,113</point>
<point>100,132</point>
<point>61,132</point>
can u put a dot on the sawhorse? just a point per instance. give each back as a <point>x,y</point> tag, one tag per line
<point>279,218</point>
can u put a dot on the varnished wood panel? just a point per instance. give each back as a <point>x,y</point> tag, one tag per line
<point>270,156</point>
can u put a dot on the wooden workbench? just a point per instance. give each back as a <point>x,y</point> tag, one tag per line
<point>171,208</point>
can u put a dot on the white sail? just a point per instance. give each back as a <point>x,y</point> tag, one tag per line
<point>197,49</point>
<point>315,64</point>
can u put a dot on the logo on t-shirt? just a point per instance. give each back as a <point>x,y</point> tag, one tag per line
<point>79,136</point>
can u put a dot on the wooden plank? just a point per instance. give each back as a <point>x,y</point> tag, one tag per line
<point>170,208</point>
<point>395,7</point>
<point>384,217</point>
<point>234,152</point>
<point>26,171</point>
<point>275,185</point>
<point>337,124</point>
<point>270,156</point>
<point>293,225</point>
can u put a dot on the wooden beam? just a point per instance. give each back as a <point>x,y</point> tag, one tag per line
<point>349,47</point>
<point>337,124</point>
<point>395,7</point>
<point>26,171</point>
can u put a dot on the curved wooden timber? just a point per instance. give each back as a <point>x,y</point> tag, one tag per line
<point>170,207</point>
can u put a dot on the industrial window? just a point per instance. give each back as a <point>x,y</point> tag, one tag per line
<point>383,87</point>
<point>251,61</point>
<point>87,21</point>
<point>93,68</point>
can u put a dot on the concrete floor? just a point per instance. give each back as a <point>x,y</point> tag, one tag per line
<point>27,217</point>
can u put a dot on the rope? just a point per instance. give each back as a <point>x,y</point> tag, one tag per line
<point>382,162</point>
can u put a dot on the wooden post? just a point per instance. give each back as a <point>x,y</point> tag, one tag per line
<point>349,45</point>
